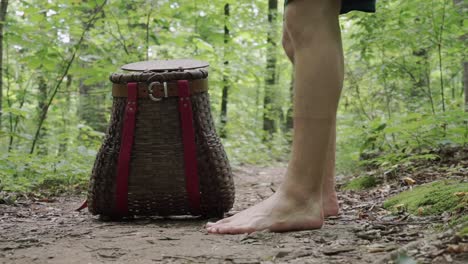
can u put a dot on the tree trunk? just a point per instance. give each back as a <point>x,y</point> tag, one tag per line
<point>462,6</point>
<point>289,117</point>
<point>226,83</point>
<point>270,110</point>
<point>41,106</point>
<point>465,83</point>
<point>3,13</point>
<point>63,143</point>
<point>439,53</point>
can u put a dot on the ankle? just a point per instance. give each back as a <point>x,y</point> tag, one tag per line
<point>330,197</point>
<point>300,195</point>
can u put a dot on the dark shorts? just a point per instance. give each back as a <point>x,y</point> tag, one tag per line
<point>350,5</point>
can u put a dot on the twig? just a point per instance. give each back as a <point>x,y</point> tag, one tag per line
<point>406,223</point>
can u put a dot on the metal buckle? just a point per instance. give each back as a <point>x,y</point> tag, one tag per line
<point>150,91</point>
<point>165,90</point>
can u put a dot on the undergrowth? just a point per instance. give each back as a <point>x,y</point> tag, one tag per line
<point>361,183</point>
<point>45,175</point>
<point>432,198</point>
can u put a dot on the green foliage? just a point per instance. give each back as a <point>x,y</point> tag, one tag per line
<point>462,222</point>
<point>403,87</point>
<point>24,173</point>
<point>63,168</point>
<point>412,137</point>
<point>433,198</point>
<point>464,230</point>
<point>361,183</point>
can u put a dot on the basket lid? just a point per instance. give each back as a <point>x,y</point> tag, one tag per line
<point>165,65</point>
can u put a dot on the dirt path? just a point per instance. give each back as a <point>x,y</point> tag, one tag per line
<point>51,232</point>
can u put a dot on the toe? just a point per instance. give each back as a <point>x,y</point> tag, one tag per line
<point>222,221</point>
<point>212,230</point>
<point>233,230</point>
<point>210,224</point>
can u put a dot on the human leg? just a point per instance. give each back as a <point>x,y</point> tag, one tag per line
<point>287,44</point>
<point>297,205</point>
<point>329,198</point>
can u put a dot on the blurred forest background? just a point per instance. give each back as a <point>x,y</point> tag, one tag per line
<point>404,99</point>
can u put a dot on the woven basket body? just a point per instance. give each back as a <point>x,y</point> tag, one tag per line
<point>157,180</point>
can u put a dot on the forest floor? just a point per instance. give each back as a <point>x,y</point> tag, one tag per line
<point>50,231</point>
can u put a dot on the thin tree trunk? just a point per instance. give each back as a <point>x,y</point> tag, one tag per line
<point>429,89</point>
<point>423,79</point>
<point>226,82</point>
<point>418,77</point>
<point>269,108</point>
<point>289,117</point>
<point>63,144</point>
<point>147,33</point>
<point>8,86</point>
<point>355,84</point>
<point>3,13</point>
<point>41,105</point>
<point>386,85</point>
<point>89,110</point>
<point>462,6</point>
<point>439,49</point>
<point>22,100</point>
<point>465,83</point>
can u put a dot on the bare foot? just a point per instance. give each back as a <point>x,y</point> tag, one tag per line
<point>330,205</point>
<point>278,213</point>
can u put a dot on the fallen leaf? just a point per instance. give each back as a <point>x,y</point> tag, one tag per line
<point>283,253</point>
<point>461,248</point>
<point>334,251</point>
<point>376,248</point>
<point>420,211</point>
<point>168,238</point>
<point>409,181</point>
<point>363,215</point>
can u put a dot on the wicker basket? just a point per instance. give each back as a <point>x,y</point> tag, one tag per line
<point>168,169</point>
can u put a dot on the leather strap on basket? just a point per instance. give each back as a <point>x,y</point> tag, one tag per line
<point>188,139</point>
<point>123,167</point>
<point>83,205</point>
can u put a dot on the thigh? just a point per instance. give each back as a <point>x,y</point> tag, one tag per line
<point>351,5</point>
<point>309,20</point>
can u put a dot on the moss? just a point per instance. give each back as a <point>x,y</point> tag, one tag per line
<point>360,183</point>
<point>461,223</point>
<point>463,220</point>
<point>433,198</point>
<point>464,231</point>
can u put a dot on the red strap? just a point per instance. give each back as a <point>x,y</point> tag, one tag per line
<point>123,167</point>
<point>83,205</point>
<point>188,139</point>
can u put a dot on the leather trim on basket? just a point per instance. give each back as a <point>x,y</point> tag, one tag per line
<point>83,205</point>
<point>188,139</point>
<point>123,166</point>
<point>196,86</point>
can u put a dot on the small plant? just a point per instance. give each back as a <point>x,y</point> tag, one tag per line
<point>360,183</point>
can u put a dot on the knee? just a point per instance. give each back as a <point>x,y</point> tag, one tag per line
<point>288,46</point>
<point>304,17</point>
